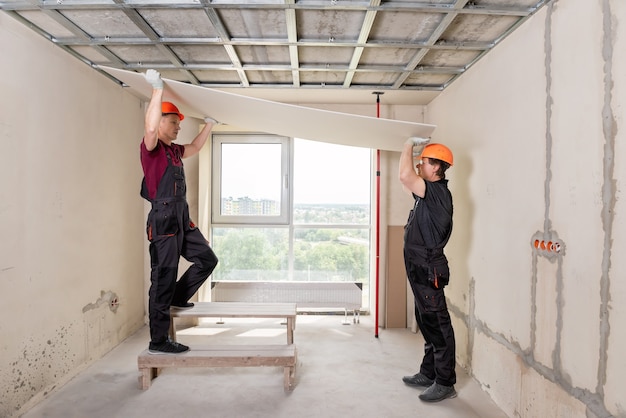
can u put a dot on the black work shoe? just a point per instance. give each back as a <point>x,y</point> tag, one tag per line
<point>185,305</point>
<point>167,347</point>
<point>418,380</point>
<point>437,392</point>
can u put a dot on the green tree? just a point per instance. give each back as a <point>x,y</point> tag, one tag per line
<point>246,250</point>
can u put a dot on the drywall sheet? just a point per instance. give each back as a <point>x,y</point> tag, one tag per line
<point>280,118</point>
<point>396,290</point>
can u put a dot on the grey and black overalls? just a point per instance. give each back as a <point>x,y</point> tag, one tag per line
<point>172,234</point>
<point>427,232</point>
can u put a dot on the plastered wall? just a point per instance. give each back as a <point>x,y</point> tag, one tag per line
<point>537,128</point>
<point>71,251</point>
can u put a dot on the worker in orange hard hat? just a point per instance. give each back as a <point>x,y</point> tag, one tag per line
<point>427,231</point>
<point>438,152</point>
<point>170,230</point>
<point>169,108</point>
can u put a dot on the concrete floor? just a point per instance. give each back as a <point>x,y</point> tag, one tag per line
<point>343,371</point>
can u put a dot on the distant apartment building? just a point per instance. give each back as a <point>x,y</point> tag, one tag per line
<point>247,206</point>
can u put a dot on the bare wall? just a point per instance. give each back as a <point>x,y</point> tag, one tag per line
<point>537,131</point>
<point>71,256</point>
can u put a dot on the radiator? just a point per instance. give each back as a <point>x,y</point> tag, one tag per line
<point>345,296</point>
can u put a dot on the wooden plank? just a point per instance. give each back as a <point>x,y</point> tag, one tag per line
<point>238,310</point>
<point>221,356</point>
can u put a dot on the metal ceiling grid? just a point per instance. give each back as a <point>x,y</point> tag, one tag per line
<point>277,44</point>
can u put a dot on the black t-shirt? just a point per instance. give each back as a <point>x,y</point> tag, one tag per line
<point>430,221</point>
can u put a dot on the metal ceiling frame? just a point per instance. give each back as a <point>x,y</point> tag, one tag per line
<point>443,12</point>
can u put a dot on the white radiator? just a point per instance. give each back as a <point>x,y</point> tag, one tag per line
<point>346,296</point>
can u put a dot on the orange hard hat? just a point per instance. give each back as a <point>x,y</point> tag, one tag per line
<point>438,152</point>
<point>170,108</point>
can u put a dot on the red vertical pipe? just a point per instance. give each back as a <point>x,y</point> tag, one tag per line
<point>377,220</point>
<point>377,235</point>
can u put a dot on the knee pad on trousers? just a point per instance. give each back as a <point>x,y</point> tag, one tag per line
<point>207,261</point>
<point>430,322</point>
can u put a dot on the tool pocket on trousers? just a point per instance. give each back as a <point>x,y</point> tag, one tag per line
<point>432,300</point>
<point>164,222</point>
<point>438,276</point>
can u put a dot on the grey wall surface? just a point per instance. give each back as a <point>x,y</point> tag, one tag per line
<point>537,128</point>
<point>71,253</point>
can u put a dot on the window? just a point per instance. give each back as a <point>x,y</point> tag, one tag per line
<point>290,210</point>
<point>252,180</point>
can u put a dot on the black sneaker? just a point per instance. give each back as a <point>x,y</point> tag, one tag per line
<point>437,392</point>
<point>186,305</point>
<point>418,380</point>
<point>167,347</point>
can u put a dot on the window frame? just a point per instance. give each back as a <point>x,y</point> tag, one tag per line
<point>284,217</point>
<point>288,223</point>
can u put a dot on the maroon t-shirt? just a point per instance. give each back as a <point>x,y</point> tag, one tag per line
<point>154,163</point>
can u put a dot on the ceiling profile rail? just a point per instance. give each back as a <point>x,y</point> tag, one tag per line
<point>281,44</point>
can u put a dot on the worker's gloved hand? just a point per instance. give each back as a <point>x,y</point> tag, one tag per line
<point>211,120</point>
<point>418,144</point>
<point>154,78</point>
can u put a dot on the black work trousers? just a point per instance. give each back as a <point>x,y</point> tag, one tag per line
<point>165,290</point>
<point>433,320</point>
